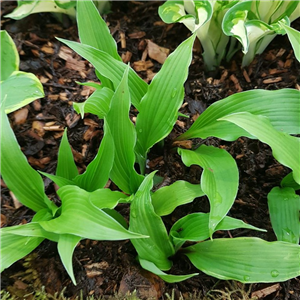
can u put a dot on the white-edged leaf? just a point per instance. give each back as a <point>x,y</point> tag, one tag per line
<point>233,23</point>
<point>26,8</point>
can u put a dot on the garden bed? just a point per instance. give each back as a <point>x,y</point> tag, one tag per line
<point>107,268</point>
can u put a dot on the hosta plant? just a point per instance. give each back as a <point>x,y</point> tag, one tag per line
<point>126,145</point>
<point>58,7</point>
<point>218,24</point>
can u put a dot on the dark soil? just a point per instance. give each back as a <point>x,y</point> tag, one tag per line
<point>106,268</point>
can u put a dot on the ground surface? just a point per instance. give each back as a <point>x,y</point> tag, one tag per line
<point>106,268</point>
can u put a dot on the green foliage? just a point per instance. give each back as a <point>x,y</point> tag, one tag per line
<point>26,8</point>
<point>12,80</point>
<point>246,259</point>
<point>87,207</point>
<point>218,24</point>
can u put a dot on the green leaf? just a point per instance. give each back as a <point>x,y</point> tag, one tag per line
<point>111,68</point>
<point>284,206</point>
<point>15,247</point>
<point>97,172</point>
<point>58,180</point>
<point>32,229</point>
<point>194,227</point>
<point>219,180</point>
<point>66,166</point>
<point>9,55</point>
<point>167,198</point>
<point>247,260</point>
<point>29,85</point>
<point>18,175</point>
<point>285,148</point>
<point>98,103</point>
<point>157,248</point>
<point>294,37</point>
<point>257,102</point>
<point>79,216</point>
<point>26,8</point>
<point>93,30</point>
<point>105,198</point>
<point>289,181</point>
<point>123,132</point>
<point>150,266</point>
<point>158,110</point>
<point>66,246</point>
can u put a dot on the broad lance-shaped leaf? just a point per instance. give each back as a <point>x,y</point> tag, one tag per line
<point>33,229</point>
<point>123,132</point>
<point>93,30</point>
<point>111,68</point>
<point>285,148</point>
<point>9,55</point>
<point>66,246</point>
<point>79,216</point>
<point>14,247</point>
<point>98,103</point>
<point>18,175</point>
<point>143,219</point>
<point>66,166</point>
<point>167,198</point>
<point>289,181</point>
<point>194,227</point>
<point>150,266</point>
<point>219,180</point>
<point>247,260</point>
<point>29,85</point>
<point>284,206</point>
<point>158,110</point>
<point>294,37</point>
<point>97,172</point>
<point>257,102</point>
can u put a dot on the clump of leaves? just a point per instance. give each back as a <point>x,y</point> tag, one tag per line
<point>255,114</point>
<point>57,7</point>
<point>219,24</point>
